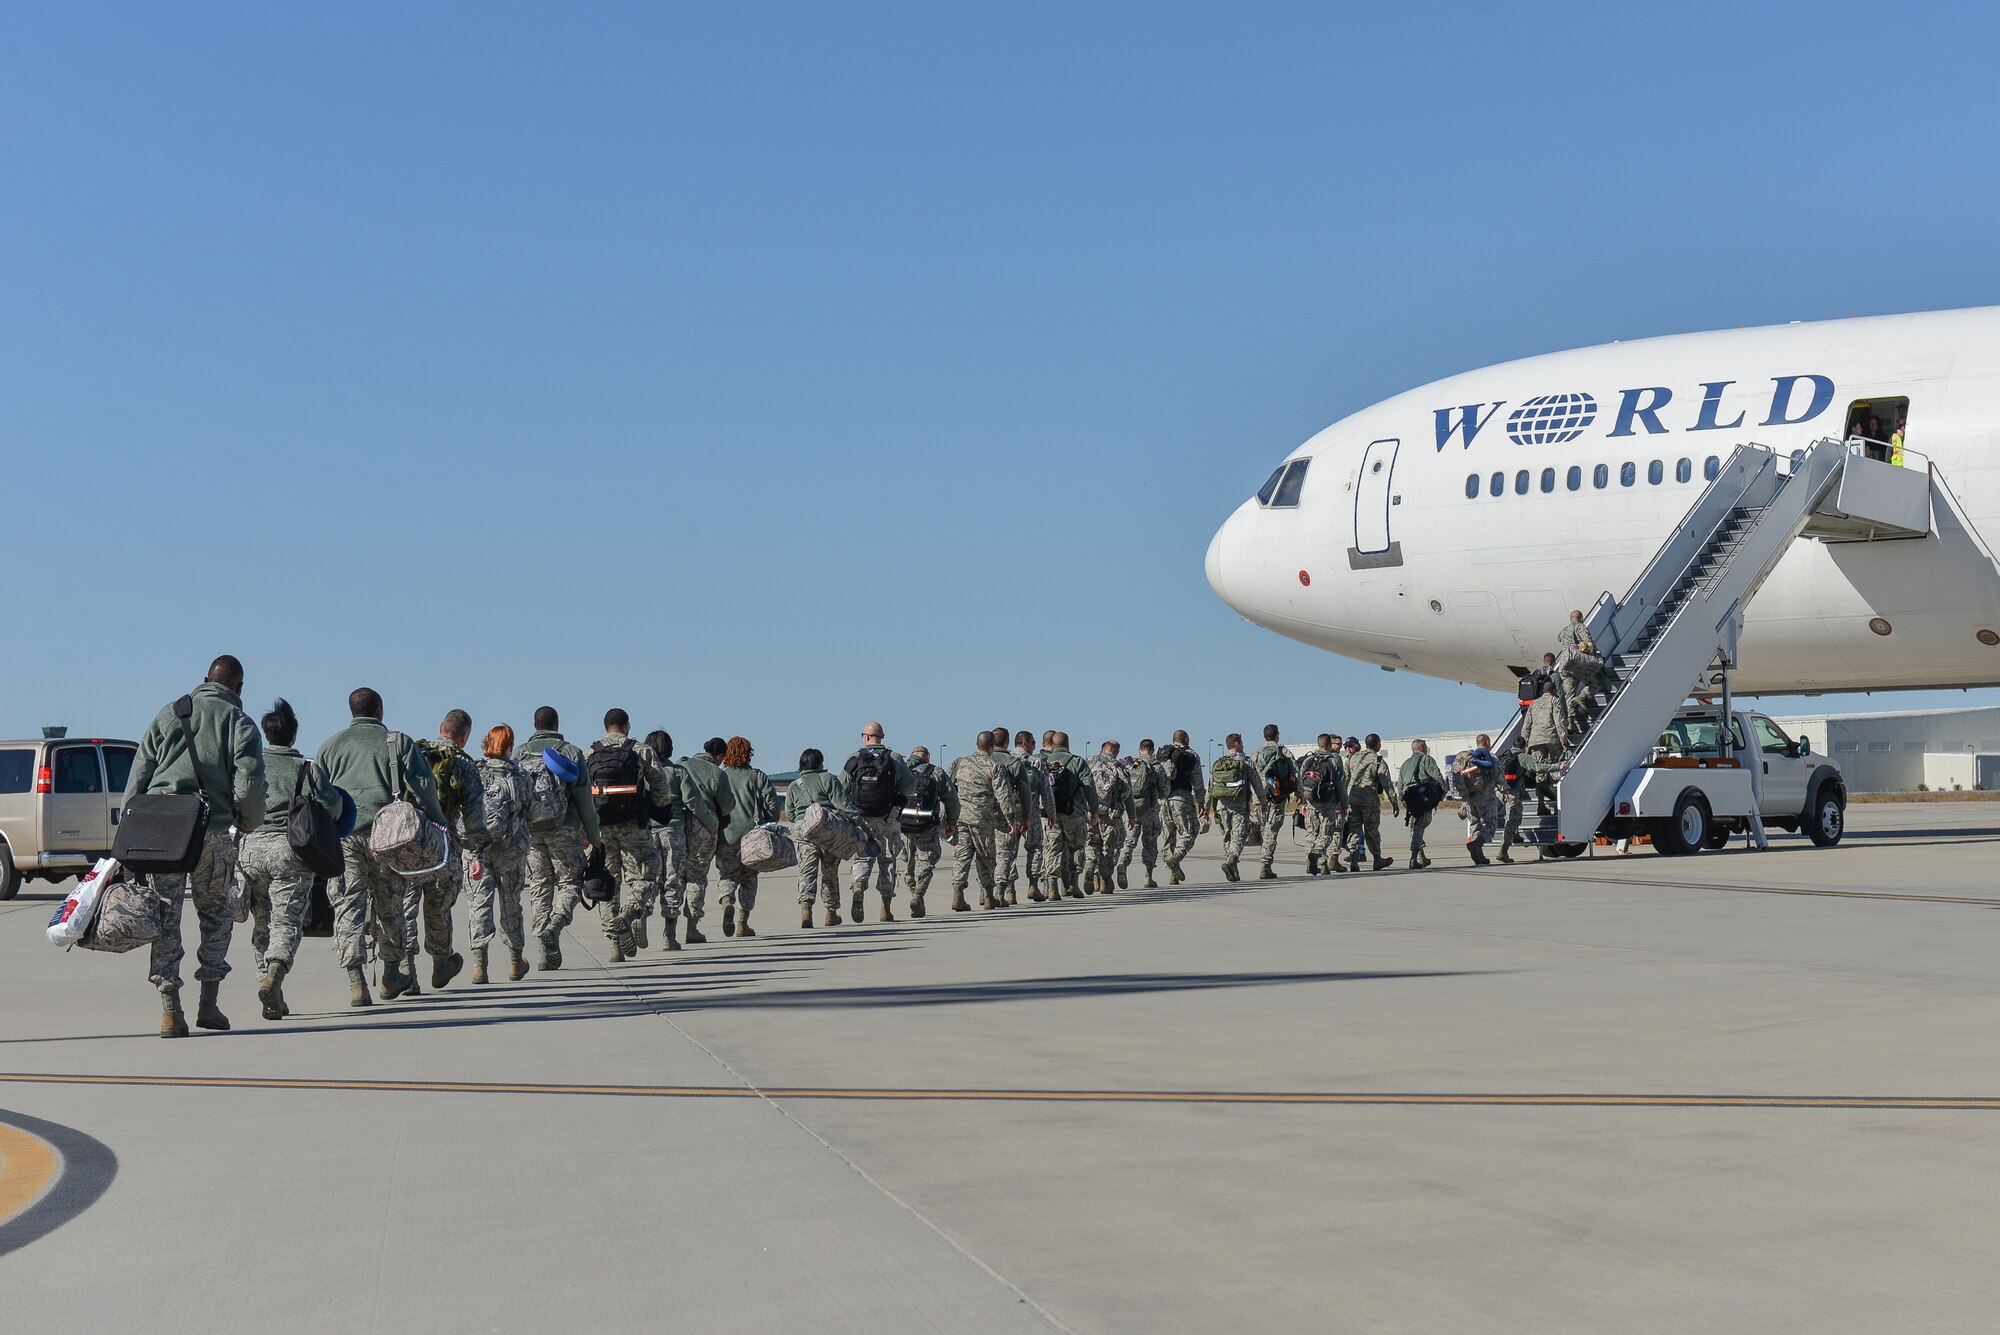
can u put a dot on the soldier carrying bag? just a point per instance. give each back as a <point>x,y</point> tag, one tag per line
<point>401,837</point>
<point>162,833</point>
<point>313,835</point>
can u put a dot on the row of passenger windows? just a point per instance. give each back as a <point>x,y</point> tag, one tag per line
<point>1600,477</point>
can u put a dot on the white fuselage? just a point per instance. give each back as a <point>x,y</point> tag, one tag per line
<point>1388,556</point>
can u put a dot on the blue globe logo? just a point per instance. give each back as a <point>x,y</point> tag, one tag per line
<point>1551,419</point>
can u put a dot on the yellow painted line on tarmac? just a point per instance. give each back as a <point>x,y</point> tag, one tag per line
<point>28,1164</point>
<point>1919,1103</point>
<point>1640,882</point>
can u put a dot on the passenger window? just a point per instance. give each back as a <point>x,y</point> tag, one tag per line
<point>1575,478</point>
<point>1628,473</point>
<point>1684,470</point>
<point>1548,479</point>
<point>17,771</point>
<point>1472,487</point>
<point>1712,469</point>
<point>117,767</point>
<point>76,770</point>
<point>1265,492</point>
<point>1521,483</point>
<point>1654,472</point>
<point>1497,484</point>
<point>1771,738</point>
<point>1600,477</point>
<point>1295,479</point>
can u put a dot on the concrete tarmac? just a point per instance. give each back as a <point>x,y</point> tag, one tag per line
<point>1740,1091</point>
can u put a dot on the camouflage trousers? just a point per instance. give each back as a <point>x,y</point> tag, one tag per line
<point>427,902</point>
<point>694,869</point>
<point>1008,847</point>
<point>278,887</point>
<point>1273,823</point>
<point>739,883</point>
<point>1361,829</point>
<point>1418,824</point>
<point>365,892</point>
<point>555,879</point>
<point>1183,822</point>
<point>1106,840</point>
<point>1510,823</point>
<point>633,861</point>
<point>496,893</point>
<point>670,843</point>
<point>208,886</point>
<point>1482,816</point>
<point>1233,819</point>
<point>974,850</point>
<point>888,833</point>
<point>919,859</point>
<point>1322,829</point>
<point>1143,838</point>
<point>1068,843</point>
<point>819,877</point>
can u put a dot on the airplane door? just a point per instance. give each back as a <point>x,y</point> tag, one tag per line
<point>1373,501</point>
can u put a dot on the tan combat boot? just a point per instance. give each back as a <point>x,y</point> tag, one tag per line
<point>173,1021</point>
<point>478,964</point>
<point>357,987</point>
<point>916,906</point>
<point>517,964</point>
<point>209,1015</point>
<point>271,991</point>
<point>958,904</point>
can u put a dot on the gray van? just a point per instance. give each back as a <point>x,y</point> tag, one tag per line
<point>59,804</point>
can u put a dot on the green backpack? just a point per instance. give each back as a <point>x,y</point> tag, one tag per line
<point>451,791</point>
<point>1228,780</point>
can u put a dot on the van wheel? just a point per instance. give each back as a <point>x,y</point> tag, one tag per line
<point>10,878</point>
<point>1826,819</point>
<point>1686,831</point>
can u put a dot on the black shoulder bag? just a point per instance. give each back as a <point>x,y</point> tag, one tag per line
<point>313,835</point>
<point>162,833</point>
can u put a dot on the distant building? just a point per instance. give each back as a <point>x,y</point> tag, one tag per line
<point>1941,749</point>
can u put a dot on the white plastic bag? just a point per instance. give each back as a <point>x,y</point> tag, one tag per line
<point>76,913</point>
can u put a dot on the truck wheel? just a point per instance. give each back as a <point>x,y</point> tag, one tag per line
<point>1826,819</point>
<point>10,878</point>
<point>1687,829</point>
<point>1569,850</point>
<point>1719,836</point>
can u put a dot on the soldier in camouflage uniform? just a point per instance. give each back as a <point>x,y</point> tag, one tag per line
<point>1235,797</point>
<point>556,859</point>
<point>989,808</point>
<point>1031,792</point>
<point>1368,784</point>
<point>878,781</point>
<point>227,764</point>
<point>1187,801</point>
<point>1148,786</point>
<point>624,821</point>
<point>428,901</point>
<point>1509,778</point>
<point>670,826</point>
<point>921,847</point>
<point>819,872</point>
<point>702,790</point>
<point>360,760</point>
<point>1279,774</point>
<point>1580,669</point>
<point>275,882</point>
<point>1322,806</point>
<point>1068,831</point>
<point>496,855</point>
<point>1478,781</point>
<point>1421,767</point>
<point>1115,818</point>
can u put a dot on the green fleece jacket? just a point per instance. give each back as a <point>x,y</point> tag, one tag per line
<point>582,811</point>
<point>1059,758</point>
<point>947,790</point>
<point>282,767</point>
<point>748,799</point>
<point>357,759</point>
<point>230,765</point>
<point>817,788</point>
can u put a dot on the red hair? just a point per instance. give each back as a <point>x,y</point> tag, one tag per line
<point>738,754</point>
<point>499,741</point>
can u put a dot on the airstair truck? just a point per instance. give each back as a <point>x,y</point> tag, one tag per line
<point>1634,766</point>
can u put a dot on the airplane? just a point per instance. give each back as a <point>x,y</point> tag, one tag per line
<point>1450,530</point>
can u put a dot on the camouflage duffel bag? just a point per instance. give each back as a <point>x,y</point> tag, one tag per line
<point>1579,666</point>
<point>831,833</point>
<point>768,848</point>
<point>405,842</point>
<point>128,916</point>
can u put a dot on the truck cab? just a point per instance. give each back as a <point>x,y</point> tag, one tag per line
<point>1700,784</point>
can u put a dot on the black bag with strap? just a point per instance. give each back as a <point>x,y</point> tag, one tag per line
<point>616,775</point>
<point>162,833</point>
<point>920,813</point>
<point>1283,776</point>
<point>1186,768</point>
<point>871,782</point>
<point>314,835</point>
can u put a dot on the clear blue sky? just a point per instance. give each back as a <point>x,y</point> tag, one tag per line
<point>766,369</point>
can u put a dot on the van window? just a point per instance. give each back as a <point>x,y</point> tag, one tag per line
<point>76,770</point>
<point>118,767</point>
<point>17,770</point>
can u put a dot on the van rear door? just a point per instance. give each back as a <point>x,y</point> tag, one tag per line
<point>118,758</point>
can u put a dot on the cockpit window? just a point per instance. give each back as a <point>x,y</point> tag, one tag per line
<point>1269,489</point>
<point>1289,488</point>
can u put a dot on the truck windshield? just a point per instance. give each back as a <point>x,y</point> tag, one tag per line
<point>1697,736</point>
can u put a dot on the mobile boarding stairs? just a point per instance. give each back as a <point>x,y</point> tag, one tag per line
<point>1674,633</point>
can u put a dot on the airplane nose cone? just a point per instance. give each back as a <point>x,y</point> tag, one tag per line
<point>1214,561</point>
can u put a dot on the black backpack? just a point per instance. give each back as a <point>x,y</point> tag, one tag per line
<point>1066,788</point>
<point>599,886</point>
<point>313,835</point>
<point>871,781</point>
<point>1283,777</point>
<point>1422,796</point>
<point>1316,780</point>
<point>1530,688</point>
<point>920,814</point>
<point>615,773</point>
<point>1186,767</point>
